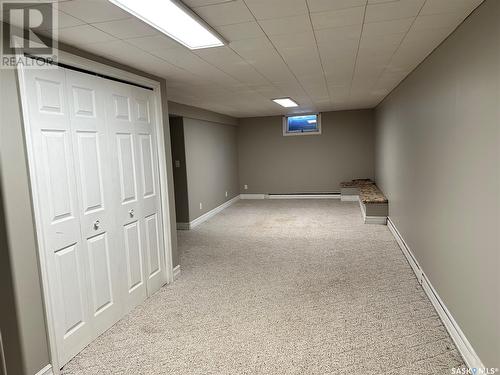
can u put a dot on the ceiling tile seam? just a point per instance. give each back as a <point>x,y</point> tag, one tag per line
<point>79,19</point>
<point>357,50</point>
<point>398,47</point>
<point>319,53</point>
<point>102,31</point>
<point>280,55</point>
<point>336,9</point>
<point>212,4</point>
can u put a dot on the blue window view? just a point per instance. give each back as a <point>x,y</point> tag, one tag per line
<point>307,123</point>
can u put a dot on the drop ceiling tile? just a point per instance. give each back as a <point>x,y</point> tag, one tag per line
<point>393,10</point>
<point>304,43</point>
<point>65,20</point>
<point>266,9</point>
<point>126,29</point>
<point>273,70</point>
<point>200,3</point>
<point>339,75</point>
<point>241,31</point>
<point>314,78</point>
<point>338,44</point>
<point>427,36</point>
<point>388,27</point>
<point>229,62</point>
<point>93,10</point>
<point>328,5</point>
<point>221,55</point>
<point>373,45</point>
<point>450,6</point>
<point>153,43</point>
<point>338,18</point>
<point>381,1</point>
<point>347,33</point>
<point>84,34</point>
<point>228,13</point>
<point>303,66</point>
<point>339,91</point>
<point>287,25</point>
<point>115,49</point>
<point>269,91</point>
<point>433,21</point>
<point>249,49</point>
<point>62,20</point>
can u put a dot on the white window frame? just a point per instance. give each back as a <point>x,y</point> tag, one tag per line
<point>287,133</point>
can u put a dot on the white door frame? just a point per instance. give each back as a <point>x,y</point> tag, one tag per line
<point>107,70</point>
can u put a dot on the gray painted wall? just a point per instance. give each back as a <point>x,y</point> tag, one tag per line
<point>211,164</point>
<point>24,333</point>
<point>180,172</point>
<point>272,163</point>
<point>438,162</point>
<point>22,329</point>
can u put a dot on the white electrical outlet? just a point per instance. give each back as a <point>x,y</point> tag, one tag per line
<point>226,194</point>
<point>246,187</point>
<point>201,206</point>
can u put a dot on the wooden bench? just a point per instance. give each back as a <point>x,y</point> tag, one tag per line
<point>374,205</point>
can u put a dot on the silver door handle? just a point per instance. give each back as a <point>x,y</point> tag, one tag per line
<point>97,223</point>
<point>131,213</point>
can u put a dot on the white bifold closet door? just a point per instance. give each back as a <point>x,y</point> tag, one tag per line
<point>96,168</point>
<point>130,118</point>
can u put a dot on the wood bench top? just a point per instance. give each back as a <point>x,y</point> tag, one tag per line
<point>370,193</point>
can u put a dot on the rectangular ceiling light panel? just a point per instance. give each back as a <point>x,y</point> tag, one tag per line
<point>286,102</point>
<point>174,19</point>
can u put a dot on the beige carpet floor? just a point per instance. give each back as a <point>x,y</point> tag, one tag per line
<point>281,287</point>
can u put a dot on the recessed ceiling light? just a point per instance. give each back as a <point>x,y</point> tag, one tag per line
<point>286,102</point>
<point>173,18</point>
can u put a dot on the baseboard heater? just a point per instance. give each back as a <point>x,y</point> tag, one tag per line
<point>331,195</point>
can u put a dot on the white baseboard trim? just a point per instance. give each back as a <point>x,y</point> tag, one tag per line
<point>465,348</point>
<point>177,271</point>
<point>253,196</point>
<point>303,196</point>
<point>380,220</point>
<point>47,370</point>
<point>290,196</point>
<point>207,215</point>
<point>349,198</point>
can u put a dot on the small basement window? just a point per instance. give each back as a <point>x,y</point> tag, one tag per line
<point>302,125</point>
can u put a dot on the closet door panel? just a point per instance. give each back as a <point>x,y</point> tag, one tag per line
<point>143,116</point>
<point>56,187</point>
<point>123,144</point>
<point>95,189</point>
